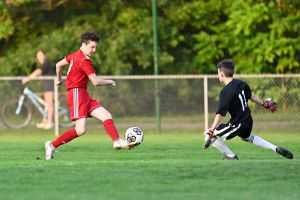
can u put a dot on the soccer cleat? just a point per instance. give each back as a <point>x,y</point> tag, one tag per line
<point>49,151</point>
<point>121,144</point>
<point>225,157</point>
<point>284,152</point>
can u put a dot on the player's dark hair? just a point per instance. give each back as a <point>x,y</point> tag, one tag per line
<point>227,67</point>
<point>89,36</point>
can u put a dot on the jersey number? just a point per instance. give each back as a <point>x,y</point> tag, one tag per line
<point>243,100</point>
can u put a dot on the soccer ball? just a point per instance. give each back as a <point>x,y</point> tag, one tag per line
<point>134,136</point>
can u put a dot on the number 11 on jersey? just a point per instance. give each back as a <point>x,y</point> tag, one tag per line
<point>243,100</point>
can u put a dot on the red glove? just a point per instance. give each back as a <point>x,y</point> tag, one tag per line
<point>270,105</point>
<point>211,136</point>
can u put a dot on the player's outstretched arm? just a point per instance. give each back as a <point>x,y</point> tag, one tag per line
<point>99,81</point>
<point>59,67</point>
<point>216,122</point>
<point>256,100</point>
<point>267,104</point>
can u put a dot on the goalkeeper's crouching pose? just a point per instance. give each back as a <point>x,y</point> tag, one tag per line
<point>234,99</point>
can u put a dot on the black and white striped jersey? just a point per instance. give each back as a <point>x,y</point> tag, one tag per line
<point>234,99</point>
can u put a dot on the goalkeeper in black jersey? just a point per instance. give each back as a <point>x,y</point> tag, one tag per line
<point>234,99</point>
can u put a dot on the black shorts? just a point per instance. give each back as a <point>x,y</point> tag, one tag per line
<point>229,131</point>
<point>48,86</point>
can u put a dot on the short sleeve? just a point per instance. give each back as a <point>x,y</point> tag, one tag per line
<point>69,57</point>
<point>87,67</point>
<point>46,67</point>
<point>248,92</point>
<point>224,103</point>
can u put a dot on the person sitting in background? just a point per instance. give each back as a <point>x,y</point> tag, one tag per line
<point>46,69</point>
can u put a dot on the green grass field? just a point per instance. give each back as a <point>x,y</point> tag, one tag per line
<point>166,166</point>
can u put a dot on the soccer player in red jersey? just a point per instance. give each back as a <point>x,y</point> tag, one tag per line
<point>81,105</point>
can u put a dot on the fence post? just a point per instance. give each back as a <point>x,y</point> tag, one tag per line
<point>205,85</point>
<point>56,119</point>
<point>155,60</point>
<point>157,106</point>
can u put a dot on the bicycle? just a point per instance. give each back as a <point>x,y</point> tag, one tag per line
<point>17,113</point>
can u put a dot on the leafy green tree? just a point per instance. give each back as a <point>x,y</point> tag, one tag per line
<point>6,23</point>
<point>261,36</point>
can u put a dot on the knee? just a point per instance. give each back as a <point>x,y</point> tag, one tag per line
<point>80,131</point>
<point>106,116</point>
<point>249,139</point>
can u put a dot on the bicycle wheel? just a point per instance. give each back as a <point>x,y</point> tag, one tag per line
<point>9,117</point>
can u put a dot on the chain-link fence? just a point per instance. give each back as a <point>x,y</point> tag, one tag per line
<point>183,101</point>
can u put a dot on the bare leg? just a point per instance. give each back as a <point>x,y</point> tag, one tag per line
<point>48,96</point>
<point>102,114</point>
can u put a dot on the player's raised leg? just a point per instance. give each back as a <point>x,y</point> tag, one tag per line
<point>102,114</point>
<point>258,141</point>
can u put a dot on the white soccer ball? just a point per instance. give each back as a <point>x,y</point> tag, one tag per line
<point>134,136</point>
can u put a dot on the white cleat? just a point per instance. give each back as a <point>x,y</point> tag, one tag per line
<point>121,144</point>
<point>49,151</point>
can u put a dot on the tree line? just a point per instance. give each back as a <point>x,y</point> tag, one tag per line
<point>261,36</point>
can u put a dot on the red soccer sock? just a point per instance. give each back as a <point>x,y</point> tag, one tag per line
<point>111,129</point>
<point>65,138</point>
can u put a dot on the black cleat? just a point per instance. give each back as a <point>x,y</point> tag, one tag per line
<point>284,152</point>
<point>225,157</point>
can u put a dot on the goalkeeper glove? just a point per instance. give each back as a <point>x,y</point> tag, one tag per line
<point>270,105</point>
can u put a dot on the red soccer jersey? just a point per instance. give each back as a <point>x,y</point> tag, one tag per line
<point>79,69</point>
